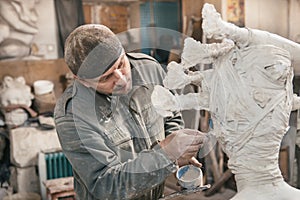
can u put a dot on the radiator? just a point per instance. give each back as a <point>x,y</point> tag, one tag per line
<point>52,164</point>
<point>57,165</point>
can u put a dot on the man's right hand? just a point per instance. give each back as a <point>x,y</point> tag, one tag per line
<point>183,144</point>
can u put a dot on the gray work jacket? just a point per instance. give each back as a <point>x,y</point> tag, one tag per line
<point>107,139</point>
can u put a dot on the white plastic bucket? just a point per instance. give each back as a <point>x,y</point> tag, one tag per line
<point>42,87</point>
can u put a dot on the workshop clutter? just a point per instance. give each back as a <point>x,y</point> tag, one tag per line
<point>44,96</point>
<point>27,116</point>
<point>16,98</point>
<point>19,103</point>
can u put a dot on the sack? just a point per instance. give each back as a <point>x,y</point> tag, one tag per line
<point>45,102</point>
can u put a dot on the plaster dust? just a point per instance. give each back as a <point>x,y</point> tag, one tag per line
<point>189,175</point>
<point>249,94</point>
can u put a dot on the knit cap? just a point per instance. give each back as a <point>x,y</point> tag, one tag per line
<point>91,49</point>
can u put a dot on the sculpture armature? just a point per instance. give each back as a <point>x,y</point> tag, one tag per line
<point>249,95</point>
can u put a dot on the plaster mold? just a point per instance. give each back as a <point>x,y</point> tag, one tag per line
<point>18,23</point>
<point>14,91</point>
<point>249,94</point>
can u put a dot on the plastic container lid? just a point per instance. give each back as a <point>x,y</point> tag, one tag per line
<point>42,87</point>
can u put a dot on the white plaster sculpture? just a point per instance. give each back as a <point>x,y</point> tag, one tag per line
<point>18,25</point>
<point>249,95</point>
<point>16,94</point>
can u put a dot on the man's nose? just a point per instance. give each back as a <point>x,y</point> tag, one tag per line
<point>118,74</point>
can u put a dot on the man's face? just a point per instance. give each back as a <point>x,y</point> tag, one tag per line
<point>116,80</point>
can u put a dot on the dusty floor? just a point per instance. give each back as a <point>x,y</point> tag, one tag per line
<point>171,187</point>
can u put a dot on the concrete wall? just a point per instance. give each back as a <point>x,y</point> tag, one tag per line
<point>276,16</point>
<point>294,25</point>
<point>268,15</point>
<point>47,38</point>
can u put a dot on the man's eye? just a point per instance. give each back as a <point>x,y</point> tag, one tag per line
<point>109,76</point>
<point>104,78</point>
<point>120,65</point>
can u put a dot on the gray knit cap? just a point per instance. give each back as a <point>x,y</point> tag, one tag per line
<point>92,49</point>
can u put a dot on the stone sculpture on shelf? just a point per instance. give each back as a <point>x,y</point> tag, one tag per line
<point>249,94</point>
<point>18,25</point>
<point>16,99</point>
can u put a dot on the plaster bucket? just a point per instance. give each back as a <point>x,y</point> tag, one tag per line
<point>189,177</point>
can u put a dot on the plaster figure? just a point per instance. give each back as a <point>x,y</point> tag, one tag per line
<point>15,92</point>
<point>18,23</point>
<point>249,94</point>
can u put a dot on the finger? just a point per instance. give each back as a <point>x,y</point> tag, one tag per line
<point>195,162</point>
<point>197,140</point>
<point>191,135</point>
<point>182,161</point>
<point>190,131</point>
<point>193,148</point>
<point>188,155</point>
